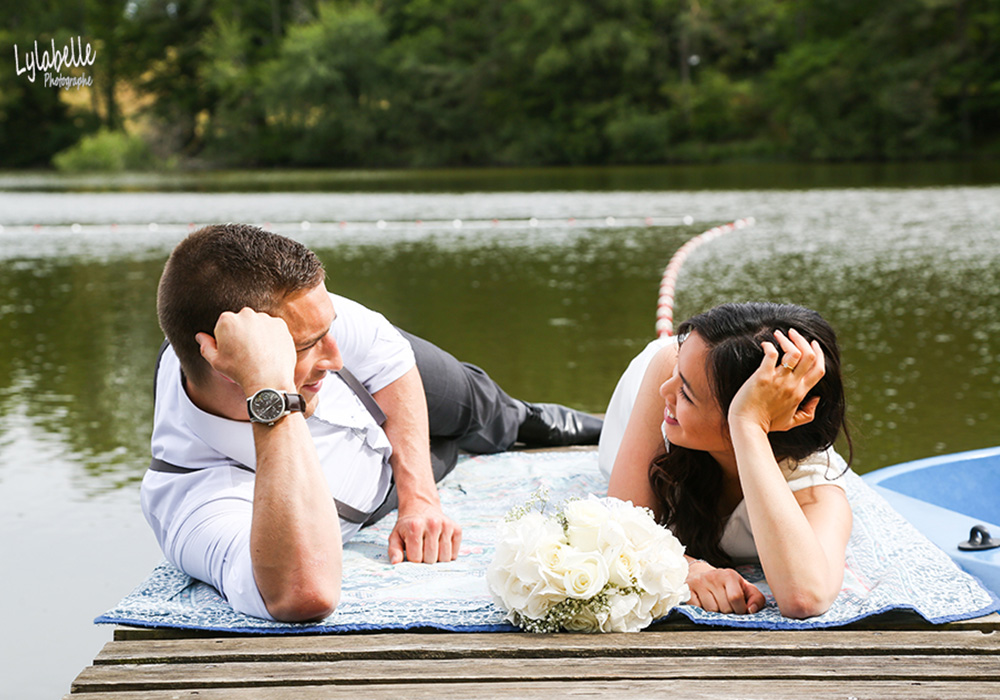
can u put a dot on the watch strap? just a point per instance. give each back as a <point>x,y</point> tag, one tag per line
<point>294,402</point>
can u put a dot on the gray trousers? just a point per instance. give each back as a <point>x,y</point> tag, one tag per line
<point>466,410</point>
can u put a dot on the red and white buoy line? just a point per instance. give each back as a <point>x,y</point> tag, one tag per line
<point>665,303</point>
<point>331,226</point>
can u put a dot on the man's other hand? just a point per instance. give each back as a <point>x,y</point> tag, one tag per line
<point>424,534</point>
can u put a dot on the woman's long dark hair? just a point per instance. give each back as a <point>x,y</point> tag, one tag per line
<point>688,483</point>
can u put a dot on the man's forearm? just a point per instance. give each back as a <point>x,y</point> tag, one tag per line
<point>405,406</point>
<point>295,535</point>
<point>423,532</point>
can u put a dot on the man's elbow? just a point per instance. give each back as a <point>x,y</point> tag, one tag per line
<point>305,604</point>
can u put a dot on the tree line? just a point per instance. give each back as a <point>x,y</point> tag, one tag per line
<point>399,83</point>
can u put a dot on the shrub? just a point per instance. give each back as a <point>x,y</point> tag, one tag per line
<point>107,151</point>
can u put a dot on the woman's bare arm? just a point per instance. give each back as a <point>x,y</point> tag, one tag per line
<point>643,440</point>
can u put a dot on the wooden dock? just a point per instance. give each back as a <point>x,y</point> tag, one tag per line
<point>898,657</point>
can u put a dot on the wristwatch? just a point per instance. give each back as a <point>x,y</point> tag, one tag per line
<point>270,405</point>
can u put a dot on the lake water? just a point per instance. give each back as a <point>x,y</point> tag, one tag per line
<point>546,278</point>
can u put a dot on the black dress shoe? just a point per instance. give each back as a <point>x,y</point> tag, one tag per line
<point>552,425</point>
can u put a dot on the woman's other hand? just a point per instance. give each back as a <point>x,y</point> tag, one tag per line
<point>722,590</point>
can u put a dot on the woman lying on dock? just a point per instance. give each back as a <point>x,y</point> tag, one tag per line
<point>726,433</point>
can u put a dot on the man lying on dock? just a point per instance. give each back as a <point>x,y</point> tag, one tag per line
<point>287,418</point>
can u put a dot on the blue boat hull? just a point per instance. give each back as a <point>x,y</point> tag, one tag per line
<point>944,497</point>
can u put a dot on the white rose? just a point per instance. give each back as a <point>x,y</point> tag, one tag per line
<point>586,621</point>
<point>541,599</point>
<point>649,604</point>
<point>551,554</point>
<point>624,567</point>
<point>667,603</point>
<point>509,576</point>
<point>639,525</point>
<point>541,557</point>
<point>586,575</point>
<point>508,592</point>
<point>626,614</point>
<point>521,577</point>
<point>586,519</point>
<point>663,576</point>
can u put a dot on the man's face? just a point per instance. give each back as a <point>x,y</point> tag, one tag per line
<point>309,316</point>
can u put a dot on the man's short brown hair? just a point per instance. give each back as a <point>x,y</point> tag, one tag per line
<point>227,267</point>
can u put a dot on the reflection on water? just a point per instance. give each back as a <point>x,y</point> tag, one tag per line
<point>73,362</point>
<point>554,310</point>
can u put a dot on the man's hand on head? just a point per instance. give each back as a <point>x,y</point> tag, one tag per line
<point>253,349</point>
<point>424,534</point>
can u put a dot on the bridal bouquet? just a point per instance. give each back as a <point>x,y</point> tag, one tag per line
<point>592,565</point>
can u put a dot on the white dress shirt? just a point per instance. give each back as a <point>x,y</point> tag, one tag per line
<point>202,518</point>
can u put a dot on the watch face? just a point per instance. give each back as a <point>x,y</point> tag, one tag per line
<point>267,405</point>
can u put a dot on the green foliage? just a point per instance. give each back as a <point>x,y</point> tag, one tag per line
<point>524,82</point>
<point>638,136</point>
<point>105,151</point>
<point>325,91</point>
<point>909,79</point>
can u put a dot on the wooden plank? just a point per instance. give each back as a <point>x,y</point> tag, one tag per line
<point>415,646</point>
<point>694,689</point>
<point>899,620</point>
<point>119,677</point>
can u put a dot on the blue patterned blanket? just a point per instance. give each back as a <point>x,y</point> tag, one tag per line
<point>890,566</point>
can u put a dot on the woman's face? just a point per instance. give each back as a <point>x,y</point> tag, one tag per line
<point>692,414</point>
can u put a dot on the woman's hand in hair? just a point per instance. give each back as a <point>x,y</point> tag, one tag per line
<point>722,590</point>
<point>774,395</point>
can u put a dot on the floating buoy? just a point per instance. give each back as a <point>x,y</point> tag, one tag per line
<point>588,222</point>
<point>668,283</point>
